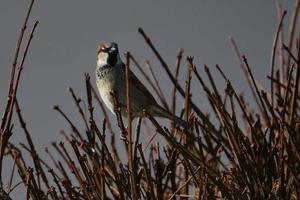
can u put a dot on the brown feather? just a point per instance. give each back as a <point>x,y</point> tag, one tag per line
<point>139,85</point>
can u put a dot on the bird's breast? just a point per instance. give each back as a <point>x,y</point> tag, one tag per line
<point>106,83</point>
<point>104,72</point>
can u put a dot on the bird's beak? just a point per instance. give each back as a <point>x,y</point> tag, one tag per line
<point>102,47</point>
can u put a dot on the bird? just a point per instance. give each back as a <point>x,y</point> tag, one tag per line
<point>110,78</point>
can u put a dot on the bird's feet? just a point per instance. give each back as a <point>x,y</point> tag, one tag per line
<point>124,133</point>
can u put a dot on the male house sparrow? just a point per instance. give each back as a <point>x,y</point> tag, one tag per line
<point>110,77</point>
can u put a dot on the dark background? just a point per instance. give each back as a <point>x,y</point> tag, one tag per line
<point>65,42</point>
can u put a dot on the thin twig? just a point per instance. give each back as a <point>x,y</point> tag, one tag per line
<point>6,127</point>
<point>295,93</point>
<point>292,28</point>
<point>265,113</point>
<point>247,76</point>
<point>15,59</point>
<point>131,162</point>
<point>184,184</point>
<point>161,94</point>
<point>172,78</point>
<point>179,56</point>
<point>279,29</point>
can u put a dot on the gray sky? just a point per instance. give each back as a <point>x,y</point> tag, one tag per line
<point>64,46</point>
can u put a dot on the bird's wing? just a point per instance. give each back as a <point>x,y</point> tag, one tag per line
<point>140,87</point>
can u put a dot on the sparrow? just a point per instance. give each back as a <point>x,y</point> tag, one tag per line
<point>110,77</point>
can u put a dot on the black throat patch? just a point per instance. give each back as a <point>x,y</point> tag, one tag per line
<point>112,58</point>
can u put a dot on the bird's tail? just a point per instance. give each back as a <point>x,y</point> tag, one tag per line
<point>161,112</point>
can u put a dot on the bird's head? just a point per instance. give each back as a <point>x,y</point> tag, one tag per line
<point>108,54</point>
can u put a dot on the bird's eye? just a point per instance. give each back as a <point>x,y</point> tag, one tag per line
<point>103,49</point>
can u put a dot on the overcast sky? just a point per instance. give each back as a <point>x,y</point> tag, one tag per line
<point>64,46</point>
